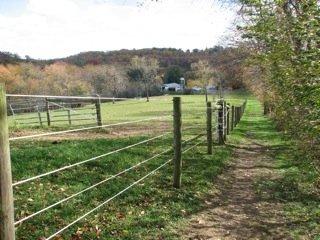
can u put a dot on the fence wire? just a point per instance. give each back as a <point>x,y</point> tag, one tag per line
<point>88,160</point>
<point>118,194</point>
<point>91,187</point>
<point>84,129</point>
<point>194,110</point>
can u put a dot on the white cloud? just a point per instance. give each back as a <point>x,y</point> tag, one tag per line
<point>49,29</point>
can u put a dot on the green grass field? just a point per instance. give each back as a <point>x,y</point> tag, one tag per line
<point>152,209</point>
<point>148,210</point>
<point>129,110</point>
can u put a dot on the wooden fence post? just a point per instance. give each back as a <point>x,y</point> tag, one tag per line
<point>228,119</point>
<point>48,112</point>
<point>69,116</point>
<point>209,127</point>
<point>224,120</point>
<point>265,108</point>
<point>220,122</point>
<point>7,231</point>
<point>177,142</point>
<point>39,116</point>
<point>232,118</point>
<point>242,109</point>
<point>236,116</point>
<point>98,111</point>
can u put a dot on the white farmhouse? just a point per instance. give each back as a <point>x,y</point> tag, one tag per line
<point>171,87</point>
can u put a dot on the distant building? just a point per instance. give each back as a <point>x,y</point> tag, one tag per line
<point>171,87</point>
<point>196,89</point>
<point>211,89</point>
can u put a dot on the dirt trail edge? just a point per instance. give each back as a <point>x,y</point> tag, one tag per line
<point>234,211</point>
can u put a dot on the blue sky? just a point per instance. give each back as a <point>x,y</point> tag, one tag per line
<point>12,7</point>
<point>58,28</point>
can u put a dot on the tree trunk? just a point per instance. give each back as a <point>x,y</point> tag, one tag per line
<point>114,94</point>
<point>206,92</point>
<point>147,91</point>
<point>147,95</point>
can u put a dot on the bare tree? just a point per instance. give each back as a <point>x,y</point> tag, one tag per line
<point>114,79</point>
<point>204,73</point>
<point>144,70</point>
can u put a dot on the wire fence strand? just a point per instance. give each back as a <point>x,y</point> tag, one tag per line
<point>107,201</point>
<point>91,187</point>
<point>196,140</point>
<point>85,129</point>
<point>66,97</point>
<point>88,160</point>
<point>116,195</point>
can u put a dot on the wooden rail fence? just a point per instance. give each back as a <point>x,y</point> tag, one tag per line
<point>41,110</point>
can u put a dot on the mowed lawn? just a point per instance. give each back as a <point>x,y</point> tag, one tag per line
<point>146,211</point>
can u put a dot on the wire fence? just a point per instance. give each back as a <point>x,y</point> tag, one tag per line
<point>196,131</point>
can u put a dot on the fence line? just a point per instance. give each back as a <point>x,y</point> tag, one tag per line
<point>91,187</point>
<point>48,104</point>
<point>193,138</point>
<point>84,129</point>
<point>223,127</point>
<point>66,97</point>
<point>107,201</point>
<point>116,195</point>
<point>88,160</point>
<point>61,106</point>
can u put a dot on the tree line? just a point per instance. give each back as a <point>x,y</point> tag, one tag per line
<point>283,70</point>
<point>124,73</point>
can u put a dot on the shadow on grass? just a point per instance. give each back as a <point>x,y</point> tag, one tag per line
<point>162,205</point>
<point>294,188</point>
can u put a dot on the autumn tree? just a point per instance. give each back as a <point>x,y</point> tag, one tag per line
<point>96,76</point>
<point>115,79</point>
<point>64,79</point>
<point>144,71</point>
<point>204,73</point>
<point>284,61</point>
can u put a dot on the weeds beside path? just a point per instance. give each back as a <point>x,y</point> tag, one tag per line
<point>241,204</point>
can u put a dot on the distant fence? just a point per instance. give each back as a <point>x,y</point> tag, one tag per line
<point>227,118</point>
<point>47,110</point>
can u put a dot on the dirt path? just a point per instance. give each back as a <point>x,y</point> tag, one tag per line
<point>234,210</point>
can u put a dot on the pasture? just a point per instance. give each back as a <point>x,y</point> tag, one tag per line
<point>149,208</point>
